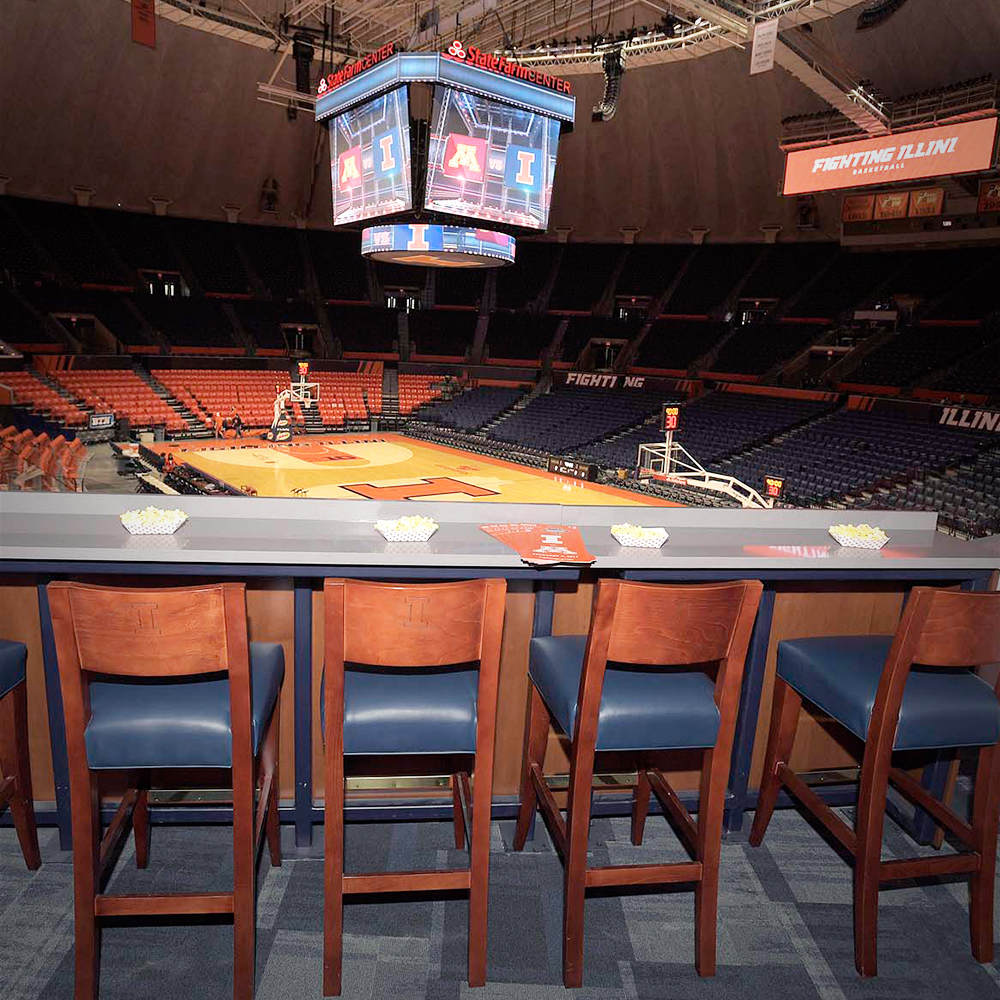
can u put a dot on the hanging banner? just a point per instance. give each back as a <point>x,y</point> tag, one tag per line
<point>892,205</point>
<point>857,207</point>
<point>989,196</point>
<point>903,156</point>
<point>144,22</point>
<point>765,41</point>
<point>926,201</point>
<point>542,544</point>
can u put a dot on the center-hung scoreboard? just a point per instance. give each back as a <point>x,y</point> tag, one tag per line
<point>428,143</point>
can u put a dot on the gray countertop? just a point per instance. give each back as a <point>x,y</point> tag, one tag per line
<point>55,527</point>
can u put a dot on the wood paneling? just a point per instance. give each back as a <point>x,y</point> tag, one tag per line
<point>271,618</point>
<point>821,610</point>
<point>19,622</point>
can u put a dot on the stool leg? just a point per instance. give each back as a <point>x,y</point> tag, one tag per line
<point>640,806</point>
<point>780,738</point>
<point>333,869</point>
<point>711,803</point>
<point>86,863</point>
<point>535,737</point>
<point>581,780</point>
<point>479,865</point>
<point>244,881</point>
<point>986,811</point>
<point>14,763</point>
<point>868,826</point>
<point>140,822</point>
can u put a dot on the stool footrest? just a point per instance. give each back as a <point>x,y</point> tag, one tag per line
<point>557,825</point>
<point>937,809</point>
<point>818,808</point>
<point>415,881</point>
<point>674,808</point>
<point>684,871</point>
<point>143,905</point>
<point>905,868</point>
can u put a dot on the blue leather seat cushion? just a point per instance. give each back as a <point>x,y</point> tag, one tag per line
<point>178,723</point>
<point>13,656</point>
<point>642,708</point>
<point>840,675</point>
<point>411,711</point>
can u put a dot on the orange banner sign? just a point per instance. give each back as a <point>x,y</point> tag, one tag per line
<point>891,205</point>
<point>542,544</point>
<point>989,196</point>
<point>927,201</point>
<point>857,207</point>
<point>903,156</point>
<point>144,22</point>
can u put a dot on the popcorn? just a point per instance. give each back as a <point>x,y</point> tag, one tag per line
<point>408,528</point>
<point>638,537</point>
<point>859,536</point>
<point>152,521</point>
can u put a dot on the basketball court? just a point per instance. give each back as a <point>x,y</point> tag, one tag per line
<point>385,467</point>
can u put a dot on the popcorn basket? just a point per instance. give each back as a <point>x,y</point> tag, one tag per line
<point>633,536</point>
<point>407,529</point>
<point>859,536</point>
<point>152,521</point>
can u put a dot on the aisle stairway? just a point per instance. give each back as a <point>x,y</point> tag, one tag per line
<point>196,427</point>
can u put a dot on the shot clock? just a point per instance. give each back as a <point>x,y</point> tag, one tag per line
<point>774,487</point>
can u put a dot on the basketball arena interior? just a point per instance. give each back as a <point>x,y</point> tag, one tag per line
<point>533,466</point>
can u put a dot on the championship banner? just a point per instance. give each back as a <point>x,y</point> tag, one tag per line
<point>765,41</point>
<point>542,544</point>
<point>144,22</point>
<point>926,201</point>
<point>989,196</point>
<point>892,205</point>
<point>857,207</point>
<point>903,156</point>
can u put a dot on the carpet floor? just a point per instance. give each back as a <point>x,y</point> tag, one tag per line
<point>785,925</point>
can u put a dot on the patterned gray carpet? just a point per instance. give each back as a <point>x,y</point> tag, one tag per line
<point>784,928</point>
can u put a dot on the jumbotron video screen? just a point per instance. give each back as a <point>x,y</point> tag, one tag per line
<point>490,161</point>
<point>370,159</point>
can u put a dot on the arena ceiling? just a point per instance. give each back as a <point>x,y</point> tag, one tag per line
<point>695,144</point>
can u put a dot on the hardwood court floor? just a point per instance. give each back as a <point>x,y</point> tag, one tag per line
<point>385,466</point>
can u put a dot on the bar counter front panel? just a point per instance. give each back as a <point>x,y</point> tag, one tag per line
<point>284,548</point>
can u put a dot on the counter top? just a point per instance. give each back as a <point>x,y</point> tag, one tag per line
<point>61,528</point>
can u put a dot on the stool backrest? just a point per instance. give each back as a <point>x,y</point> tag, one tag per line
<point>658,624</point>
<point>957,628</point>
<point>413,625</point>
<point>938,628</point>
<point>151,632</point>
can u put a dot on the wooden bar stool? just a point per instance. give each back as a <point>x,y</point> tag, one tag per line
<point>901,692</point>
<point>386,709</point>
<point>135,666</point>
<point>15,769</point>
<point>598,690</point>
